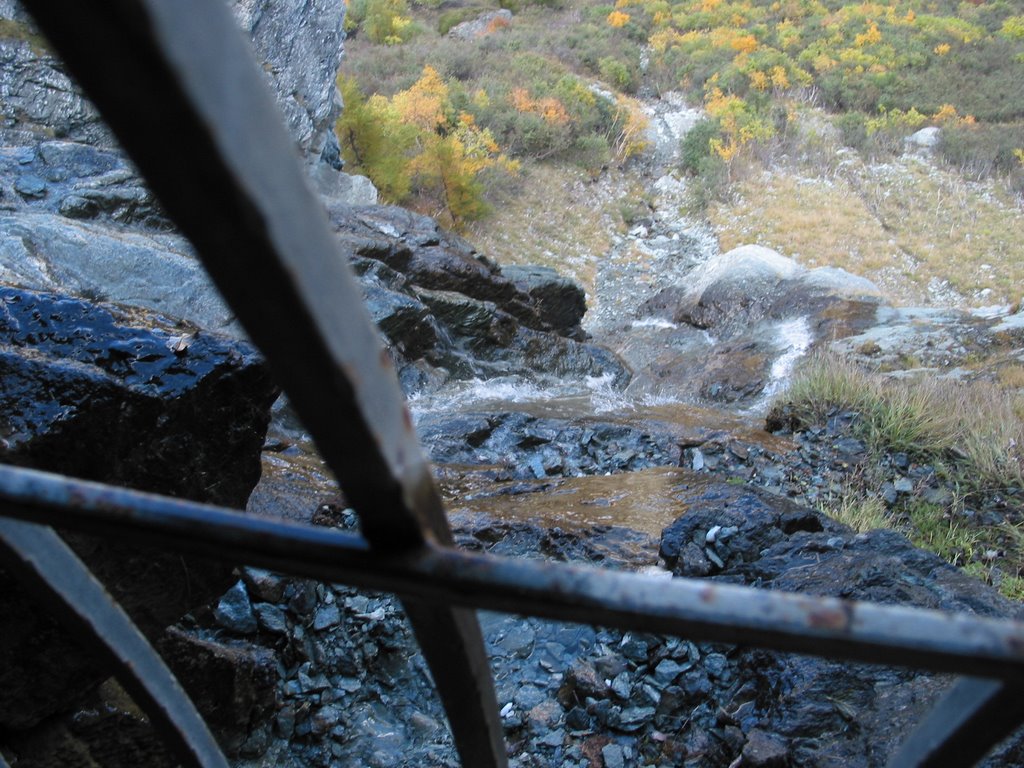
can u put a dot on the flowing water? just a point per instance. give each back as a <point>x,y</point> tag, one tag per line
<point>658,251</point>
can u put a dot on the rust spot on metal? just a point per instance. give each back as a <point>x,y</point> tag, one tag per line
<point>407,421</point>
<point>385,360</point>
<point>1015,645</point>
<point>707,595</point>
<point>835,619</point>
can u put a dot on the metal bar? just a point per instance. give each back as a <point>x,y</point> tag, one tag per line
<point>971,718</point>
<point>177,83</point>
<point>697,609</point>
<point>45,564</point>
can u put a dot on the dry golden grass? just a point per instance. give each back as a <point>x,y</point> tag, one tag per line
<point>905,225</point>
<point>557,216</point>
<point>923,417</point>
<point>861,512</point>
<point>1011,376</point>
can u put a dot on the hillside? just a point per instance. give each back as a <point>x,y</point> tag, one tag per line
<point>805,107</point>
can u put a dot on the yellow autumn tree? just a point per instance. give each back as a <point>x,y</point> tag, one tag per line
<point>418,149</point>
<point>618,19</point>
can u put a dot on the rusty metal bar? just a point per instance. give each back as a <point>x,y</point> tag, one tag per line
<point>173,79</point>
<point>46,565</point>
<point>694,608</point>
<point>972,717</point>
<point>177,83</point>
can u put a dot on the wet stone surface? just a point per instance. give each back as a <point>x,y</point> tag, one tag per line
<point>355,692</point>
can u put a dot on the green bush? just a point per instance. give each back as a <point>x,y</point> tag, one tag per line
<point>853,129</point>
<point>388,21</point>
<point>983,149</point>
<point>708,173</point>
<point>618,75</point>
<point>696,145</point>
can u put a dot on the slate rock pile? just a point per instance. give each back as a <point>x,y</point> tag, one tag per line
<point>354,691</point>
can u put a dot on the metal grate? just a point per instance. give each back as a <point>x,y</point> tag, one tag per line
<point>176,82</point>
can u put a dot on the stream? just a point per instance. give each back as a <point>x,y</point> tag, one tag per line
<point>630,481</point>
<point>670,473</point>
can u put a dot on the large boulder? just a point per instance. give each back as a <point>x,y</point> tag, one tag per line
<point>733,327</point>
<point>127,399</point>
<point>818,711</point>
<point>729,293</point>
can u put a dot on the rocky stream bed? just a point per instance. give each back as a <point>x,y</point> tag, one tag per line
<point>629,435</point>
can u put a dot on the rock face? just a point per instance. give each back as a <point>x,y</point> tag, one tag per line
<point>301,44</point>
<point>77,181</point>
<point>560,302</point>
<point>156,271</point>
<point>446,312</point>
<point>128,400</point>
<point>36,96</point>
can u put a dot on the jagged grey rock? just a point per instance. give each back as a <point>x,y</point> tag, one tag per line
<point>36,96</point>
<point>156,271</point>
<point>300,43</point>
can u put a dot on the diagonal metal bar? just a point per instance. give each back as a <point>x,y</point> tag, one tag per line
<point>176,82</point>
<point>971,718</point>
<point>693,608</point>
<point>46,565</point>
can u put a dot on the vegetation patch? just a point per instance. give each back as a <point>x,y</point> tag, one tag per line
<point>907,225</point>
<point>970,436</point>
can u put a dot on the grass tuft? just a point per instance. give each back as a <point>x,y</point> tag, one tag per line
<point>860,512</point>
<point>970,432</point>
<point>975,424</point>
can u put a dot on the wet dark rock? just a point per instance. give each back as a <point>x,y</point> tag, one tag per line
<point>233,685</point>
<point>525,444</point>
<point>760,521</point>
<point>449,313</point>
<point>764,750</point>
<point>613,756</point>
<point>271,618</point>
<point>429,257</point>
<point>264,585</point>
<point>98,394</point>
<point>561,303</point>
<point>77,181</point>
<point>326,616</point>
<point>30,186</point>
<point>234,611</point>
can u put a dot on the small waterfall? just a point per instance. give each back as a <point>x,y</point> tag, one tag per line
<point>793,338</point>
